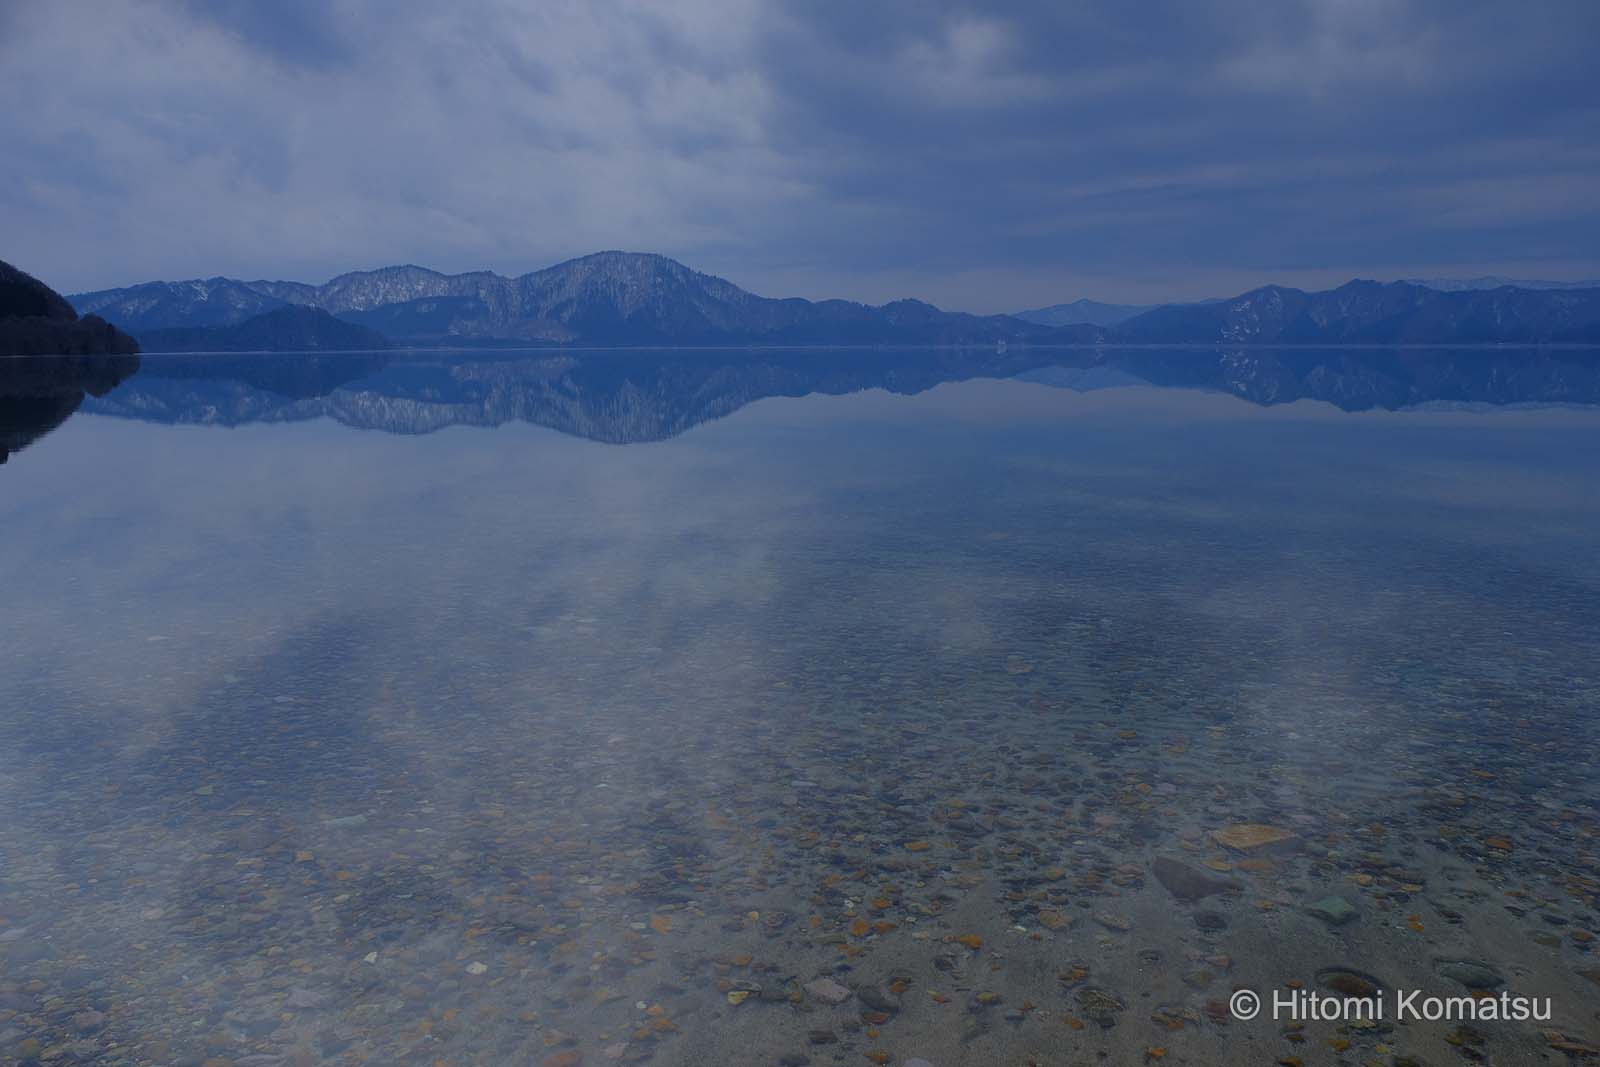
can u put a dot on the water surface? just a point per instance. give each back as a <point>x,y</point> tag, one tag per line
<point>603,703</point>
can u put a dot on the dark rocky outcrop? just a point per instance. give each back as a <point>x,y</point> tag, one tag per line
<point>35,320</point>
<point>50,359</point>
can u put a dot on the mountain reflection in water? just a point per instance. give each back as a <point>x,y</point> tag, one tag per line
<point>39,393</point>
<point>635,396</point>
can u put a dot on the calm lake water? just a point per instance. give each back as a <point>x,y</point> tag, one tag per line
<point>784,708</point>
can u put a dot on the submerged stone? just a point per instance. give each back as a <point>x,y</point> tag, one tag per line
<point>1249,837</point>
<point>1473,974</point>
<point>1336,911</point>
<point>1349,982</point>
<point>1188,883</point>
<point>827,991</point>
<point>1099,1005</point>
<point>877,1000</point>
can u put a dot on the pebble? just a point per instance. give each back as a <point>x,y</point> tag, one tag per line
<point>1473,974</point>
<point>1188,883</point>
<point>300,997</point>
<point>87,1022</point>
<point>1251,837</point>
<point>1099,1005</point>
<point>1336,911</point>
<point>827,991</point>
<point>1348,982</point>
<point>877,999</point>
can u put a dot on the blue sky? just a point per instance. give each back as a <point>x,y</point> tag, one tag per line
<point>985,156</point>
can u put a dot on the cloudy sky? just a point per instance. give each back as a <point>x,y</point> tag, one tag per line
<point>986,156</point>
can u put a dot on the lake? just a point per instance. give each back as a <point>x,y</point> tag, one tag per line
<point>797,707</point>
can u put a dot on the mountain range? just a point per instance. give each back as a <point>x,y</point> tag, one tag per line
<point>1493,281</point>
<point>292,328</point>
<point>1097,313</point>
<point>1082,312</point>
<point>607,299</point>
<point>1367,312</point>
<point>621,299</point>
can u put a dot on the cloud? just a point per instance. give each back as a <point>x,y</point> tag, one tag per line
<point>985,156</point>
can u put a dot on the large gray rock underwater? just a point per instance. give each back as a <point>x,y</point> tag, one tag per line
<point>1189,883</point>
